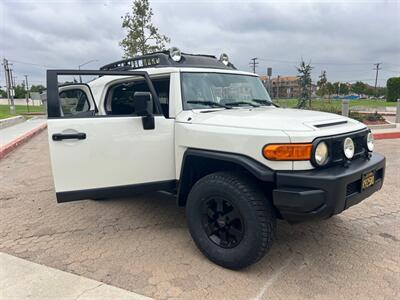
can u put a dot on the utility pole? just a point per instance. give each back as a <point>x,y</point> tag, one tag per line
<point>27,92</point>
<point>254,63</point>
<point>269,73</point>
<point>277,87</point>
<point>377,68</point>
<point>9,85</point>
<point>6,77</point>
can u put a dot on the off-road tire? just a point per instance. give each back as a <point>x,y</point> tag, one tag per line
<point>255,210</point>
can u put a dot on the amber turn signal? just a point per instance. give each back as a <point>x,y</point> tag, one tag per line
<point>287,151</point>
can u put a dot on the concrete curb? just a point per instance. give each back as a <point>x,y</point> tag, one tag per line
<point>11,121</point>
<point>4,150</point>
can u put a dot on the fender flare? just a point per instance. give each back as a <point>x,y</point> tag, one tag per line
<point>257,169</point>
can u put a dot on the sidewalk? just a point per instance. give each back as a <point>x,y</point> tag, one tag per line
<point>22,279</point>
<point>13,136</point>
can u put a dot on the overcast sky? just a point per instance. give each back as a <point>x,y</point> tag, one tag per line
<point>344,38</point>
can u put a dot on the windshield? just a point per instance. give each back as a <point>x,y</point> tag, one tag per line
<point>205,90</point>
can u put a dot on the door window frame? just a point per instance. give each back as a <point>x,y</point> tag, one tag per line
<point>53,100</point>
<point>152,78</point>
<point>89,98</point>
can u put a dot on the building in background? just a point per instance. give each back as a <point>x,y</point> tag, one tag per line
<point>284,86</point>
<point>266,80</point>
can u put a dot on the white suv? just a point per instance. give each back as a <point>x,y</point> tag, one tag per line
<point>195,126</point>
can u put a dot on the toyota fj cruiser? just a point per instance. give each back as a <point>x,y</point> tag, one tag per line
<point>194,126</point>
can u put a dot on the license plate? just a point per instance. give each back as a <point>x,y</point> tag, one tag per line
<point>368,179</point>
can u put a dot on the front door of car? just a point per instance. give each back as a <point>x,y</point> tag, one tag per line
<point>97,155</point>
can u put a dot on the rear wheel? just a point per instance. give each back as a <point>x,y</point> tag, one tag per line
<point>230,219</point>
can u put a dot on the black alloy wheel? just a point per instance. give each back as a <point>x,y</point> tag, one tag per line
<point>230,219</point>
<point>222,222</point>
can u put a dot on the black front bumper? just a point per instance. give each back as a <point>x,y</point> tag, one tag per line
<point>319,194</point>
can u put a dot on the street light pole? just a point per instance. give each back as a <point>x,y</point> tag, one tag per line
<point>81,65</point>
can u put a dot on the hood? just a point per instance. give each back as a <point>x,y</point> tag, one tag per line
<point>268,118</point>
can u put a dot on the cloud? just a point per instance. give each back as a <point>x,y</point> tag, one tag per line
<point>344,38</point>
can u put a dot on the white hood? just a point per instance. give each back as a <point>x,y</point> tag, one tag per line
<point>269,118</point>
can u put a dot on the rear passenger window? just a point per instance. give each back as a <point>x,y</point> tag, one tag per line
<point>120,96</point>
<point>74,102</point>
<point>162,89</point>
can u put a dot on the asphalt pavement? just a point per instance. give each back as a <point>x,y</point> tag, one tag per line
<point>141,244</point>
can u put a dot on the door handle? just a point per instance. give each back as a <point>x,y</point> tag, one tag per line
<point>69,136</point>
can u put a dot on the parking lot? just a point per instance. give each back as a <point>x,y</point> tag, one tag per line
<point>142,244</point>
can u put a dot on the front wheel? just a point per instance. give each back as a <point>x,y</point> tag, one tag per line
<point>230,219</point>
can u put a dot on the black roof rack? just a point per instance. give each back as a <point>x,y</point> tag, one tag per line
<point>162,59</point>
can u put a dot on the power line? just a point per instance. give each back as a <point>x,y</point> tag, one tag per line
<point>31,64</point>
<point>386,63</point>
<point>339,64</point>
<point>392,71</point>
<point>278,60</point>
<point>35,81</point>
<point>315,63</point>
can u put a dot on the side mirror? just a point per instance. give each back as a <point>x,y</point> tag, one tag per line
<point>143,102</point>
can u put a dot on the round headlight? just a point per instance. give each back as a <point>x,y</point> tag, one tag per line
<point>370,142</point>
<point>348,148</point>
<point>175,54</point>
<point>321,154</point>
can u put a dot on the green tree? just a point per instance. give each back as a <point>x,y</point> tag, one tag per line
<point>330,89</point>
<point>381,91</point>
<point>304,71</point>
<point>321,84</point>
<point>142,36</point>
<point>369,90</point>
<point>3,94</point>
<point>337,87</point>
<point>19,90</point>
<point>37,88</point>
<point>393,89</point>
<point>358,87</point>
<point>340,88</point>
<point>344,88</point>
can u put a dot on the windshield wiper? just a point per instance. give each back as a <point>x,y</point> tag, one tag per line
<point>265,102</point>
<point>242,102</point>
<point>210,103</point>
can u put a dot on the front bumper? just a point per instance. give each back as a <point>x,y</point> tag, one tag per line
<point>319,194</point>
